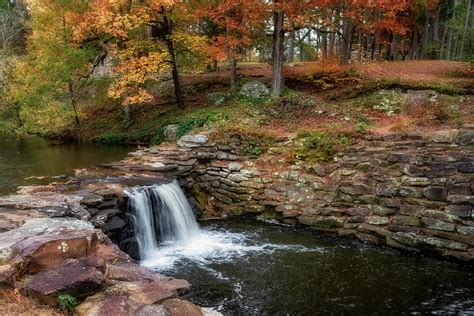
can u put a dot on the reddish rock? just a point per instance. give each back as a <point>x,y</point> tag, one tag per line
<point>131,272</point>
<point>151,310</point>
<point>44,252</point>
<point>111,254</point>
<point>7,275</point>
<point>155,291</point>
<point>101,304</point>
<point>177,307</point>
<point>79,278</point>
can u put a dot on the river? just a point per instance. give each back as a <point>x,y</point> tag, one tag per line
<point>33,160</point>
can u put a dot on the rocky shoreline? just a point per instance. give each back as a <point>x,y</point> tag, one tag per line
<point>408,191</point>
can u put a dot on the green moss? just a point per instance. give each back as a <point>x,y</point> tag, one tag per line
<point>320,146</point>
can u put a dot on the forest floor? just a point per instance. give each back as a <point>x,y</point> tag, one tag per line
<point>357,99</point>
<point>372,97</point>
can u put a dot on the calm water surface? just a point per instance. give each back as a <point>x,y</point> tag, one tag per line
<point>280,271</point>
<point>33,160</point>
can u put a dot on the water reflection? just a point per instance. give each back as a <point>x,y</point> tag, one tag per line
<point>33,160</point>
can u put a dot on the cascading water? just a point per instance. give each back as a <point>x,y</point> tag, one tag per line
<point>167,231</point>
<point>161,213</point>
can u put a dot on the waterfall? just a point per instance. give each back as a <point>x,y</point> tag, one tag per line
<point>167,232</point>
<point>161,214</point>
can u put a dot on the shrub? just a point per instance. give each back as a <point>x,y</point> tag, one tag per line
<point>67,302</point>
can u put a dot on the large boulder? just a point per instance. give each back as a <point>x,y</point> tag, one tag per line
<point>124,297</point>
<point>171,132</point>
<point>14,242</point>
<point>216,98</point>
<point>8,273</point>
<point>177,307</point>
<point>419,98</point>
<point>254,89</point>
<point>105,304</point>
<point>79,278</point>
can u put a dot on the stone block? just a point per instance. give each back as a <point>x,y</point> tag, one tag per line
<point>406,220</point>
<point>435,193</point>
<point>409,239</point>
<point>461,199</point>
<point>435,224</point>
<point>376,220</point>
<point>444,243</point>
<point>416,181</point>
<point>463,211</point>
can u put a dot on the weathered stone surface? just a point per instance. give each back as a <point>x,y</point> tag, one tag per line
<point>152,310</point>
<point>111,254</point>
<point>437,224</point>
<point>377,220</point>
<point>103,304</point>
<point>155,291</point>
<point>36,227</point>
<point>216,98</point>
<point>171,132</point>
<point>196,139</point>
<point>91,199</point>
<point>79,278</point>
<point>8,274</point>
<point>131,272</point>
<point>106,193</point>
<point>406,220</point>
<point>177,307</point>
<point>460,189</point>
<point>465,138</point>
<point>446,136</point>
<point>409,239</point>
<point>444,216</point>
<point>415,181</point>
<point>444,243</point>
<point>462,211</point>
<point>466,230</point>
<point>435,193</point>
<point>461,199</point>
<point>254,89</point>
<point>46,251</point>
<point>237,177</point>
<point>113,224</point>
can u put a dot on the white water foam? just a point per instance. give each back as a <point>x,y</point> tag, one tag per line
<point>168,233</point>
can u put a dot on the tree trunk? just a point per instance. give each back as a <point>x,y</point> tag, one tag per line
<point>359,46</point>
<point>394,48</point>
<point>128,114</point>
<point>19,121</point>
<point>233,75</point>
<point>291,48</point>
<point>324,45</point>
<point>450,31</point>
<point>414,45</point>
<point>465,32</point>
<point>73,104</point>
<point>174,62</point>
<point>426,37</point>
<point>345,41</point>
<point>277,66</point>
<point>435,34</point>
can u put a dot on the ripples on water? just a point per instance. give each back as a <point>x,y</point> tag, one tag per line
<point>247,268</point>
